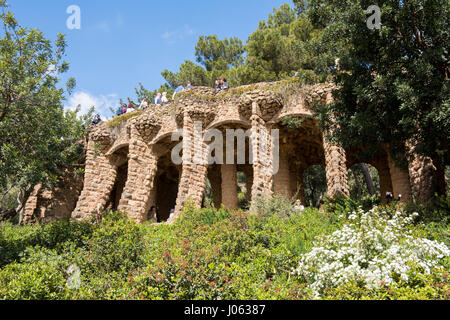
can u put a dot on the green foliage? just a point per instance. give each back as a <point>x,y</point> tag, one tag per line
<point>393,81</point>
<point>217,54</point>
<point>14,240</point>
<point>315,185</point>
<point>276,205</point>
<point>42,276</point>
<point>419,287</point>
<point>283,45</point>
<point>39,140</point>
<point>206,254</point>
<point>345,206</point>
<point>115,246</point>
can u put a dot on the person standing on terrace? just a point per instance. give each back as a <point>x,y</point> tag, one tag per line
<point>164,98</point>
<point>144,104</point>
<point>178,89</point>
<point>224,84</point>
<point>158,99</point>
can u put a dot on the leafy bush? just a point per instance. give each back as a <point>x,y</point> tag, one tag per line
<point>342,205</point>
<point>39,275</point>
<point>222,254</point>
<point>14,240</point>
<point>374,249</point>
<point>276,205</point>
<point>116,245</point>
<point>419,286</point>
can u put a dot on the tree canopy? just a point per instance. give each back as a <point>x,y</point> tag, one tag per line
<point>394,81</point>
<point>38,139</point>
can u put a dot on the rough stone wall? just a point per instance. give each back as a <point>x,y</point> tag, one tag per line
<point>282,180</point>
<point>336,165</point>
<point>423,174</point>
<point>215,178</point>
<point>336,170</point>
<point>260,107</point>
<point>194,168</point>
<point>99,178</point>
<point>400,181</point>
<point>142,165</point>
<point>262,155</point>
<point>248,171</point>
<point>229,186</point>
<point>52,205</point>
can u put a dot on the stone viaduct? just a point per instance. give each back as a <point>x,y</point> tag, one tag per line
<point>129,167</point>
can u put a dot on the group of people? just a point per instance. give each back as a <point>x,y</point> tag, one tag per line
<point>221,84</point>
<point>96,120</point>
<point>131,107</point>
<point>161,98</point>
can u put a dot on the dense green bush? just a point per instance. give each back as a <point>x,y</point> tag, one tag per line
<point>205,254</point>
<point>276,205</point>
<point>39,275</point>
<point>14,240</point>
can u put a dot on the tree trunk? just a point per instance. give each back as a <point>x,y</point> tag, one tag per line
<point>367,178</point>
<point>358,186</point>
<point>318,201</point>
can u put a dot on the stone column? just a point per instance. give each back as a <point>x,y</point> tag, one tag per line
<point>229,186</point>
<point>423,174</point>
<point>194,168</point>
<point>336,167</point>
<point>142,167</point>
<point>261,156</point>
<point>336,170</point>
<point>400,180</point>
<point>99,178</point>
<point>282,180</point>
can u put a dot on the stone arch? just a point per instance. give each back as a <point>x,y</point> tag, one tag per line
<point>381,164</point>
<point>370,180</point>
<point>300,148</point>
<point>119,157</point>
<point>224,176</point>
<point>314,184</point>
<point>166,181</point>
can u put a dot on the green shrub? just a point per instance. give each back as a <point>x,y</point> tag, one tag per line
<point>116,245</point>
<point>275,205</point>
<point>14,240</point>
<point>420,286</point>
<point>205,254</point>
<point>40,275</point>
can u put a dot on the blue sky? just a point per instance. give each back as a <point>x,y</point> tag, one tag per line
<point>122,43</point>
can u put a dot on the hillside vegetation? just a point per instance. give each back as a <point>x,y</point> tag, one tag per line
<point>343,251</point>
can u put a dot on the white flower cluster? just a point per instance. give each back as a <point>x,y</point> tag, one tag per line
<point>373,249</point>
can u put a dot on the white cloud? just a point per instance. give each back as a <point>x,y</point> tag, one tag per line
<point>85,100</point>
<point>171,37</point>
